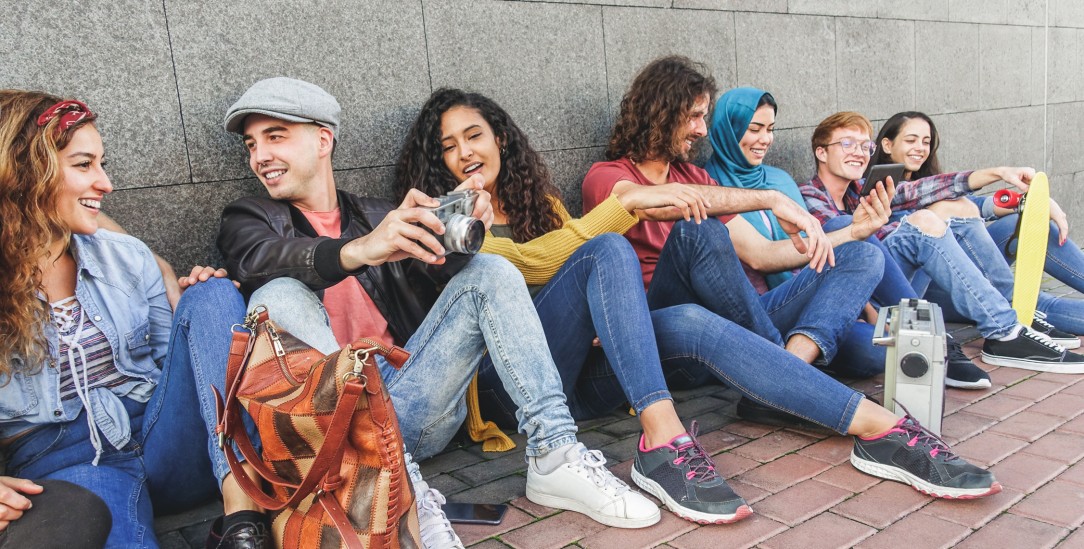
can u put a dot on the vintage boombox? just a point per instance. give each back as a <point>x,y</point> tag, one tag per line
<point>915,360</point>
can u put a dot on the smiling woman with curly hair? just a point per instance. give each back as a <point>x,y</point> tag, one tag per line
<point>98,376</point>
<point>30,180</point>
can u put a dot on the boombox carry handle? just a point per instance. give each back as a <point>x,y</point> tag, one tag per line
<point>880,337</point>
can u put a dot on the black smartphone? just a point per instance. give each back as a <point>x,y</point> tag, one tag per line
<point>879,173</point>
<point>474,513</point>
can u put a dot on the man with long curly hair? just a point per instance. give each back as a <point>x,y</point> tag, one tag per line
<point>332,267</point>
<point>662,120</point>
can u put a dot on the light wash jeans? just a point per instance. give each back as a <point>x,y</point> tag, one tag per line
<point>173,459</point>
<point>985,246</point>
<point>947,260</point>
<point>484,305</point>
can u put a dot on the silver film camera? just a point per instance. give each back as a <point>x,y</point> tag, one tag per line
<point>462,233</point>
<point>915,361</point>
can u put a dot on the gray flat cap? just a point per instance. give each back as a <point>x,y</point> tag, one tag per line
<point>286,99</point>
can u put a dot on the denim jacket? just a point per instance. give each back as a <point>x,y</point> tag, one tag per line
<point>119,286</point>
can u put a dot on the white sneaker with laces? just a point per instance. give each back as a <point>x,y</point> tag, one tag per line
<point>584,484</point>
<point>436,531</point>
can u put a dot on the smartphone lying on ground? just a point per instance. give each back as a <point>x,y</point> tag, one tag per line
<point>879,173</point>
<point>474,513</point>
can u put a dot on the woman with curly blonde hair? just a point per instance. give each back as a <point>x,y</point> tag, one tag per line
<point>101,384</point>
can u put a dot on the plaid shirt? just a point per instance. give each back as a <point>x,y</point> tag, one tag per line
<point>910,196</point>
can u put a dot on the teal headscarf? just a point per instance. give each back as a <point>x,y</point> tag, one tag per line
<point>728,165</point>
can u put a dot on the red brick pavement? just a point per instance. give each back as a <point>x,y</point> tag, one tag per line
<point>804,493</point>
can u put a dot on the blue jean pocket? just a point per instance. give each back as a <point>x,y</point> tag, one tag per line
<point>27,450</point>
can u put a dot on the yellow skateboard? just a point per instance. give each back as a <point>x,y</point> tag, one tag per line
<point>1033,230</point>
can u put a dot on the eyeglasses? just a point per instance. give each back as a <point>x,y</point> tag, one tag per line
<point>850,145</point>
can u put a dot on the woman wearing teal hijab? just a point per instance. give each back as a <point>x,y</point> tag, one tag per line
<point>734,141</point>
<point>740,136</point>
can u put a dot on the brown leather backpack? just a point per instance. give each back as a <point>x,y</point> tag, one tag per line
<point>332,450</point>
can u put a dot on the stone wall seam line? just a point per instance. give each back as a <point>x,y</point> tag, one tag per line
<point>177,87</point>
<point>425,36</point>
<point>605,61</point>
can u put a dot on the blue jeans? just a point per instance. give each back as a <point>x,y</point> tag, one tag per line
<point>1065,263</point>
<point>985,246</point>
<point>598,291</point>
<point>703,310</point>
<point>858,357</point>
<point>485,305</point>
<point>173,459</point>
<point>948,263</point>
<point>701,267</point>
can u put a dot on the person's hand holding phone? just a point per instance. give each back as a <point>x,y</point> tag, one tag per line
<point>873,211</point>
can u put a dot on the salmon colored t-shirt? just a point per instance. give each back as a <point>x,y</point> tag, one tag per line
<point>352,312</point>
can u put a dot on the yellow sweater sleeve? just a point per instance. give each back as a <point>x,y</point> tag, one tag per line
<point>539,259</point>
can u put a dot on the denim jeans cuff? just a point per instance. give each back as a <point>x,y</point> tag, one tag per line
<point>650,399</point>
<point>828,352</point>
<point>550,445</point>
<point>848,414</point>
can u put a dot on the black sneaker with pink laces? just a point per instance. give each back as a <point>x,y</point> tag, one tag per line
<point>683,476</point>
<point>910,454</point>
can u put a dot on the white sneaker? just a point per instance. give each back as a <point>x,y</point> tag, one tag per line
<point>436,531</point>
<point>584,484</point>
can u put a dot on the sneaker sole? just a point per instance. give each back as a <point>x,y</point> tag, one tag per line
<point>957,384</point>
<point>557,502</point>
<point>1038,366</point>
<point>899,475</point>
<point>654,489</point>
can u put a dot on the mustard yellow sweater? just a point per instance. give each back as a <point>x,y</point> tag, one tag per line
<point>539,259</point>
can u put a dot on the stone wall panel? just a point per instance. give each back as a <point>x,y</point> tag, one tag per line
<point>116,59</point>
<point>370,55</point>
<point>793,57</point>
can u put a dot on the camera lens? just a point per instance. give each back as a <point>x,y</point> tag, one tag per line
<point>463,234</point>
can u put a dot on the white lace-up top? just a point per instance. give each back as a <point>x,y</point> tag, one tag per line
<point>86,363</point>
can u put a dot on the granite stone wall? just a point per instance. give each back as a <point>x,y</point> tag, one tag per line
<point>1003,79</point>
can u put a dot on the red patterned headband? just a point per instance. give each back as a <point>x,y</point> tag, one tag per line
<point>70,112</point>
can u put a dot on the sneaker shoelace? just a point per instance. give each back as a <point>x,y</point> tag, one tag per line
<point>920,435</point>
<point>593,464</point>
<point>436,531</point>
<point>1042,338</point>
<point>1040,322</point>
<point>956,353</point>
<point>701,466</point>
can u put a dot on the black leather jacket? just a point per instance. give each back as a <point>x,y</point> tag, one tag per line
<point>263,239</point>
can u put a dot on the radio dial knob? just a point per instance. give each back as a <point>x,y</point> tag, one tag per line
<point>914,365</point>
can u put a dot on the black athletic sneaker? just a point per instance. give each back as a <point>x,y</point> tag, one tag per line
<point>910,454</point>
<point>960,372</point>
<point>1032,350</point>
<point>682,475</point>
<point>1065,339</point>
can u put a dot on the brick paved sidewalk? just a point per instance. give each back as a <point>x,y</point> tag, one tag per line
<point>804,492</point>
